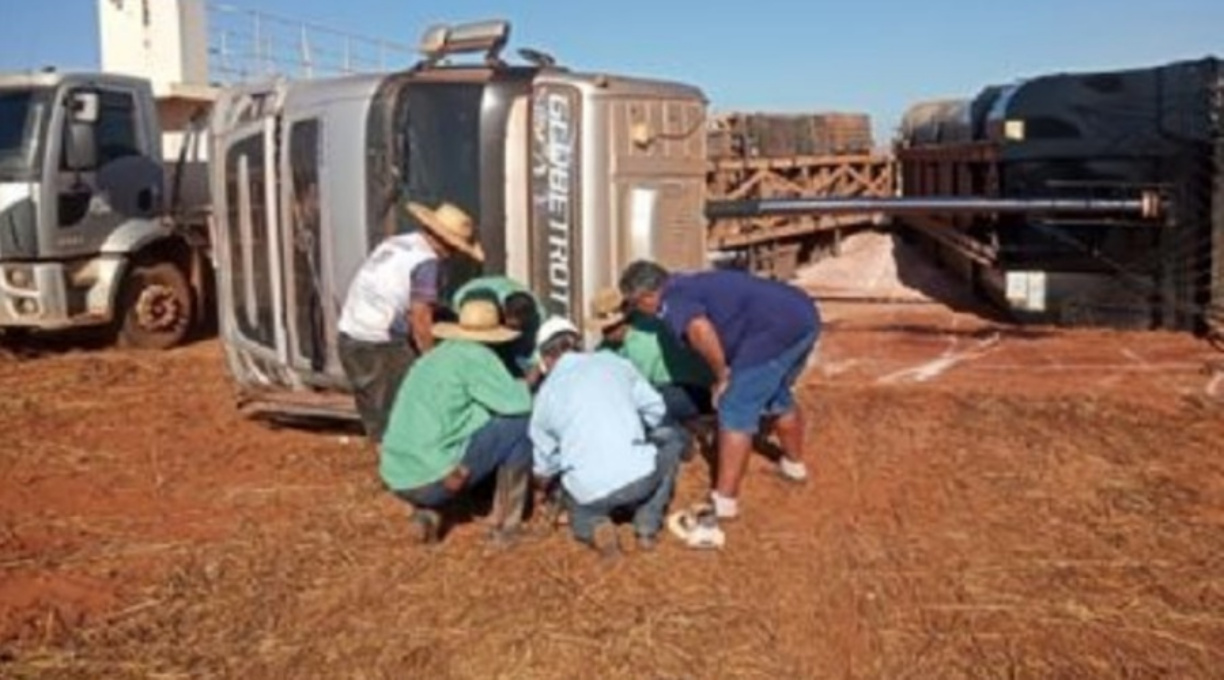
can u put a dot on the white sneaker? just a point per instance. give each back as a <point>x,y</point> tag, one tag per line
<point>793,470</point>
<point>724,508</point>
<point>697,528</point>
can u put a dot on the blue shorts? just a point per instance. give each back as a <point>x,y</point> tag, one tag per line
<point>764,389</point>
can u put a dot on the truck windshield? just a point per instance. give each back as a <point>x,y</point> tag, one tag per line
<point>442,145</point>
<point>442,156</point>
<point>21,116</point>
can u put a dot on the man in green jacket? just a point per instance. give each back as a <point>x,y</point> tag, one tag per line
<point>520,310</point>
<point>681,376</point>
<point>460,417</point>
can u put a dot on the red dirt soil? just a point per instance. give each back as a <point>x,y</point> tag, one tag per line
<point>987,501</point>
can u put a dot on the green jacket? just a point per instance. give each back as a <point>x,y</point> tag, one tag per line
<point>659,356</point>
<point>450,393</point>
<point>521,353</point>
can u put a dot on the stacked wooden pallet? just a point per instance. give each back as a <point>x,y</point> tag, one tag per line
<point>768,135</point>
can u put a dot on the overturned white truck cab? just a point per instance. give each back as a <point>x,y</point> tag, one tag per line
<point>569,176</point>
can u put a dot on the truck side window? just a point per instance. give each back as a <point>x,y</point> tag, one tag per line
<point>116,127</point>
<point>246,203</point>
<point>115,131</point>
<point>305,152</point>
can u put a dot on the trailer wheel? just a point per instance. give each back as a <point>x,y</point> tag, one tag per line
<point>156,307</point>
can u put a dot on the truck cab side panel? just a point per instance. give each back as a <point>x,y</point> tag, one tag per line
<point>67,229</point>
<point>617,174</point>
<point>568,177</point>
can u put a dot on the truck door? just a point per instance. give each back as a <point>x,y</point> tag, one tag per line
<point>103,178</point>
<point>304,284</point>
<point>252,240</point>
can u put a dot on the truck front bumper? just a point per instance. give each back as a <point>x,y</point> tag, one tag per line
<point>35,295</point>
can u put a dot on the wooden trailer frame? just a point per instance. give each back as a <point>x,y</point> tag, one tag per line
<point>773,245</point>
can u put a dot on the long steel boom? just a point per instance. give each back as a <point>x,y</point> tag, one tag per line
<point>1147,206</point>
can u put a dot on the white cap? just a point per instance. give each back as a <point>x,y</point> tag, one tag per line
<point>554,326</point>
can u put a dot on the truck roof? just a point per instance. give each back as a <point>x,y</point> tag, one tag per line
<point>620,85</point>
<point>53,78</point>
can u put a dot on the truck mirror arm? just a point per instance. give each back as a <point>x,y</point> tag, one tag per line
<point>199,120</point>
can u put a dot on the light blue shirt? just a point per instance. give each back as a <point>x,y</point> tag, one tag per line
<point>589,425</point>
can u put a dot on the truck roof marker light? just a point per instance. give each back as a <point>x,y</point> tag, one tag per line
<point>433,41</point>
<point>440,41</point>
<point>641,134</point>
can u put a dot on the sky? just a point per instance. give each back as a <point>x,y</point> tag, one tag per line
<point>874,56</point>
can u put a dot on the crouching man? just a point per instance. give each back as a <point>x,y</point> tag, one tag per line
<point>458,418</point>
<point>678,373</point>
<point>590,426</point>
<point>521,311</point>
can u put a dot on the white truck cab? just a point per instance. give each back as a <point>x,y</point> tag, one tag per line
<point>86,232</point>
<point>569,176</point>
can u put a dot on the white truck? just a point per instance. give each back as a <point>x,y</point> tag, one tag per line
<point>95,229</point>
<point>569,175</point>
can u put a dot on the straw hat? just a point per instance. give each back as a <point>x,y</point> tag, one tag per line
<point>607,309</point>
<point>449,223</point>
<point>479,321</point>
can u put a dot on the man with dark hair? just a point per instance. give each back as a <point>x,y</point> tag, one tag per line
<point>756,335</point>
<point>598,425</point>
<point>520,310</point>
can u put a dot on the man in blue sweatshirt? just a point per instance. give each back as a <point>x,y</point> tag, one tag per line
<point>756,335</point>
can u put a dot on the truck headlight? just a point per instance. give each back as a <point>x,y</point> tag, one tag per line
<point>18,277</point>
<point>27,307</point>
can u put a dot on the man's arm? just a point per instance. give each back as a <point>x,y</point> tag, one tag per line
<point>546,450</point>
<point>688,322</point>
<point>424,287</point>
<point>646,398</point>
<point>491,385</point>
<point>533,375</point>
<point>704,339</point>
<point>420,320</point>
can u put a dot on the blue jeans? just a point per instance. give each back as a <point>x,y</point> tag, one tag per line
<point>647,497</point>
<point>685,402</point>
<point>500,442</point>
<point>764,389</point>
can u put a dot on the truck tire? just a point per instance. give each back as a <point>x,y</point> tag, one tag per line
<point>155,307</point>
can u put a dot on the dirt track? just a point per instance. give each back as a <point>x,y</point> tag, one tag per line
<point>988,502</point>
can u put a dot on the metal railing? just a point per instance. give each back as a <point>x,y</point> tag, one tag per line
<point>246,44</point>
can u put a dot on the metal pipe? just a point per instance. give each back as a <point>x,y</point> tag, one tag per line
<point>1147,206</point>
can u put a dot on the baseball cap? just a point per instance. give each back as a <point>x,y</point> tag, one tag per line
<point>554,326</point>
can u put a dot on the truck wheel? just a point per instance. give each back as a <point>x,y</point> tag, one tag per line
<point>156,307</point>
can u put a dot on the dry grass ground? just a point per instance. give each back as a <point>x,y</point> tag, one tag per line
<point>986,503</point>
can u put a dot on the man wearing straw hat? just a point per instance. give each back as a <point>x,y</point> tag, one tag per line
<point>680,375</point>
<point>599,426</point>
<point>460,417</point>
<point>388,312</point>
<point>521,311</point>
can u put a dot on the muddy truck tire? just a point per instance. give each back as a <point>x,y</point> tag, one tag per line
<point>156,307</point>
